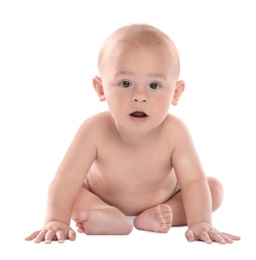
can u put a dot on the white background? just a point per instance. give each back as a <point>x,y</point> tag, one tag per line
<point>48,56</point>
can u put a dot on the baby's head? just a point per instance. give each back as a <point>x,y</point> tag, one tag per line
<point>141,35</point>
<point>139,71</point>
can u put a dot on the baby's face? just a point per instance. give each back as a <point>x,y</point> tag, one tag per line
<point>139,84</point>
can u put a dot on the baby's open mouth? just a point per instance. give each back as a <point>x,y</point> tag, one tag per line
<point>138,114</point>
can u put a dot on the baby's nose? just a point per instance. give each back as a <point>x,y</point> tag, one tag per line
<point>139,98</point>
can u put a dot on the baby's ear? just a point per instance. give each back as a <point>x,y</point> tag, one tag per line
<point>97,84</point>
<point>180,86</point>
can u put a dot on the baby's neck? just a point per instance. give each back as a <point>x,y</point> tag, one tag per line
<point>138,139</point>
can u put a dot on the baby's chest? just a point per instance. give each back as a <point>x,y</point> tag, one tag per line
<point>145,165</point>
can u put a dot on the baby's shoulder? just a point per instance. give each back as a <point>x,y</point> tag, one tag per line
<point>97,123</point>
<point>176,130</point>
<point>175,123</point>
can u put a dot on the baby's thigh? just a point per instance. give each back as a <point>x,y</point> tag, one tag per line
<point>86,199</point>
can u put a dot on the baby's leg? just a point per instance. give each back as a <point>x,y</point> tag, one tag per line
<point>95,217</point>
<point>172,212</point>
<point>156,219</point>
<point>176,202</point>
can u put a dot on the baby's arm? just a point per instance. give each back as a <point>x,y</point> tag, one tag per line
<point>65,187</point>
<point>195,191</point>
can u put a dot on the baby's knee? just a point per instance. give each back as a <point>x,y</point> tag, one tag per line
<point>216,191</point>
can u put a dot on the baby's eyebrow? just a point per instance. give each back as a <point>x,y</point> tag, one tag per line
<point>121,73</point>
<point>157,75</point>
<point>152,75</point>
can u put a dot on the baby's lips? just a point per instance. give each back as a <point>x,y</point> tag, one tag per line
<point>138,114</point>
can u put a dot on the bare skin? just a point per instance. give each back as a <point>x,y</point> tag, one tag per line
<point>128,161</point>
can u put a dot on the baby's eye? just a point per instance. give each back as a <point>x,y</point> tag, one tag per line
<point>126,84</point>
<point>154,85</point>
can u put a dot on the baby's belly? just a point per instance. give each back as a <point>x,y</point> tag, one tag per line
<point>134,205</point>
<point>133,197</point>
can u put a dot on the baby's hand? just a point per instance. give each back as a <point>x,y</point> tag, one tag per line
<point>207,233</point>
<point>53,230</point>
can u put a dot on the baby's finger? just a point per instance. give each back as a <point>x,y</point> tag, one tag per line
<point>231,236</point>
<point>71,234</point>
<point>204,236</point>
<point>218,237</point>
<point>40,237</point>
<point>60,237</point>
<point>32,236</point>
<point>190,235</point>
<point>49,236</point>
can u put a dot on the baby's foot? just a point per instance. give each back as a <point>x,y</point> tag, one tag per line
<point>106,221</point>
<point>156,219</point>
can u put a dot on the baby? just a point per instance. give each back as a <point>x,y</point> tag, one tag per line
<point>136,159</point>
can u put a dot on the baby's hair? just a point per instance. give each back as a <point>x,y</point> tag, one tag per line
<point>141,35</point>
